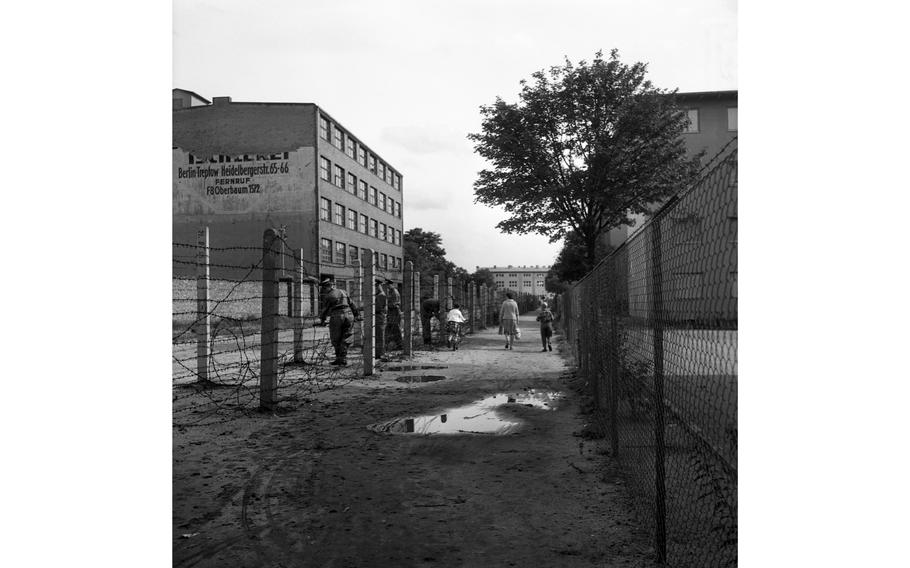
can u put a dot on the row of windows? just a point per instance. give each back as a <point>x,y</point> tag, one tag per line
<point>330,132</point>
<point>693,127</point>
<point>347,217</point>
<point>335,175</point>
<point>344,254</point>
<point>515,275</point>
<point>513,284</point>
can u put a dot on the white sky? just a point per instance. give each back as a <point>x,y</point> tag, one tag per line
<point>408,77</point>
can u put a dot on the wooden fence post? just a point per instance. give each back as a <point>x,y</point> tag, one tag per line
<point>203,325</point>
<point>268,359</point>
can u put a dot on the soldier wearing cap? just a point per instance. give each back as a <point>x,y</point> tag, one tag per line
<point>393,327</point>
<point>337,306</point>
<point>382,311</point>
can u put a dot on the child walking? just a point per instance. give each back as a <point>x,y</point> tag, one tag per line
<point>545,317</point>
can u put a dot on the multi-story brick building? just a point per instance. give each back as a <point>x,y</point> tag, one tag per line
<point>242,167</point>
<point>520,279</point>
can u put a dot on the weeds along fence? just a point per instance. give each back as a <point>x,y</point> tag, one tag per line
<point>247,340</point>
<point>653,330</point>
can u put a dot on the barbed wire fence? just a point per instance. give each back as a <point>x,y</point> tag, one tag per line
<point>653,331</point>
<point>246,341</point>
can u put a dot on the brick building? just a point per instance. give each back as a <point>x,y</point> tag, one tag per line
<point>242,167</point>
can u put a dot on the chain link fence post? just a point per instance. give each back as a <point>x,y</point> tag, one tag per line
<point>657,317</point>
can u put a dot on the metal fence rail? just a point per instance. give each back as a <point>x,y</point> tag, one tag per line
<point>653,329</point>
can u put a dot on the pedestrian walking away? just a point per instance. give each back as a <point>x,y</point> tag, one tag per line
<point>429,309</point>
<point>454,324</point>
<point>545,317</point>
<point>508,319</point>
<point>340,311</point>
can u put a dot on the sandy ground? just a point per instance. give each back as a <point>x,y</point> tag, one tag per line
<point>318,487</point>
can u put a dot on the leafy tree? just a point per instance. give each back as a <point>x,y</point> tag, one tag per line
<point>424,249</point>
<point>585,148</point>
<point>483,276</point>
<point>572,263</point>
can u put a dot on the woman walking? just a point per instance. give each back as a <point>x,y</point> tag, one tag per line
<point>508,319</point>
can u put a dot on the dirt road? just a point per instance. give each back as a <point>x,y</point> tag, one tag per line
<point>318,487</point>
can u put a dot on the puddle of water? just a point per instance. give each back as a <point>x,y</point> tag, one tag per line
<point>476,418</point>
<point>414,367</point>
<point>420,378</point>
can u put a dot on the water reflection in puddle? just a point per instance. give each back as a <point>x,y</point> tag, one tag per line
<point>476,418</point>
<point>420,378</point>
<point>414,367</point>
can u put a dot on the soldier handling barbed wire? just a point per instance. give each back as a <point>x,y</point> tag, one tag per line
<point>337,306</point>
<point>393,326</point>
<point>382,311</point>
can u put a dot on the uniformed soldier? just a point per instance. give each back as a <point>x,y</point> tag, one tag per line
<point>393,326</point>
<point>337,306</point>
<point>382,312</point>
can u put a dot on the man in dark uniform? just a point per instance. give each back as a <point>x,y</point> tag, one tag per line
<point>429,308</point>
<point>337,306</point>
<point>382,312</point>
<point>394,325</point>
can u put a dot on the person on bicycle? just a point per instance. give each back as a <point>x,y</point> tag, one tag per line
<point>454,321</point>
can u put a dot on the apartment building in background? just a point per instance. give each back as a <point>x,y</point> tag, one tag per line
<point>242,167</point>
<point>520,279</point>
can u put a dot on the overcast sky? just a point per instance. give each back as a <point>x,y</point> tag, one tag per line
<point>408,76</point>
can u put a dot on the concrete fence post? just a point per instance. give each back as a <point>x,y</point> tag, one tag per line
<point>418,323</point>
<point>367,287</point>
<point>435,286</point>
<point>472,323</point>
<point>268,359</point>
<point>449,298</point>
<point>483,306</point>
<point>297,306</point>
<point>407,303</point>
<point>203,326</point>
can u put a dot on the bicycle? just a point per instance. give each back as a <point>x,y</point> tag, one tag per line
<point>454,334</point>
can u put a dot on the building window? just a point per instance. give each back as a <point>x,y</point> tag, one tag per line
<point>389,205</point>
<point>324,167</point>
<point>350,148</point>
<point>362,155</point>
<point>341,253</point>
<point>373,196</point>
<point>513,275</point>
<point>323,128</point>
<point>396,181</point>
<point>398,209</point>
<point>385,261</point>
<point>325,209</point>
<point>325,250</point>
<point>339,214</point>
<point>339,176</point>
<point>688,285</point>
<point>394,235</point>
<point>337,137</point>
<point>354,252</point>
<point>351,186</point>
<point>362,194</point>
<point>513,284</point>
<point>383,231</point>
<point>374,227</point>
<point>352,220</point>
<point>380,170</point>
<point>527,283</point>
<point>732,119</point>
<point>381,203</point>
<point>372,161</point>
<point>363,224</point>
<point>364,255</point>
<point>540,283</point>
<point>692,123</point>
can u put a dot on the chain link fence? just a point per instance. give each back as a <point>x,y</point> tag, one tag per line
<point>653,330</point>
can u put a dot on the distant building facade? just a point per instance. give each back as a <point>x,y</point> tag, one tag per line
<point>520,279</point>
<point>242,167</point>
